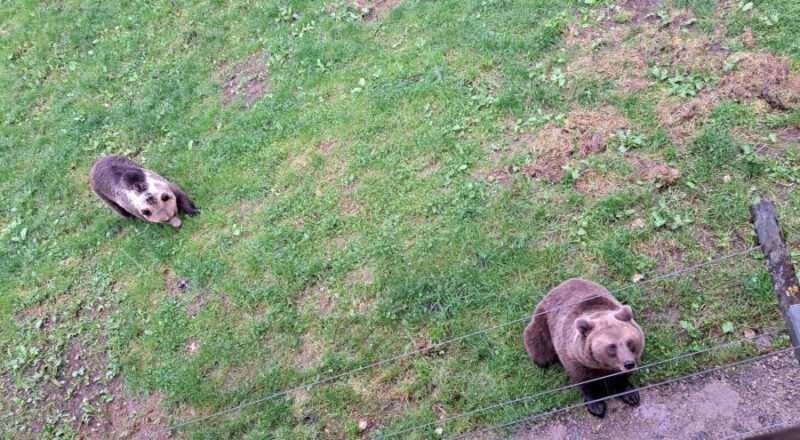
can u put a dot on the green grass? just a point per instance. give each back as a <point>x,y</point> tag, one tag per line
<point>346,215</point>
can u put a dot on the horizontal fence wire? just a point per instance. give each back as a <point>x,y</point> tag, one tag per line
<point>646,387</point>
<point>771,332</point>
<point>784,424</point>
<point>440,344</point>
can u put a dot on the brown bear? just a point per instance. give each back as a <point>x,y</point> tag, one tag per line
<point>580,324</point>
<point>133,191</point>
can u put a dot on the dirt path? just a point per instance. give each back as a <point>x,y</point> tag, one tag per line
<point>716,406</point>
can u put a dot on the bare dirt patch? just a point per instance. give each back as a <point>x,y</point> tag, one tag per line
<point>789,135</point>
<point>762,76</point>
<point>712,243</point>
<point>130,418</point>
<point>642,10</point>
<point>310,352</point>
<point>325,148</point>
<point>318,299</point>
<point>246,81</point>
<point>92,404</point>
<point>666,251</point>
<point>596,185</point>
<point>727,403</point>
<point>593,128</point>
<point>195,306</point>
<point>658,173</point>
<point>428,170</point>
<point>552,148</point>
<point>583,133</point>
<point>625,67</point>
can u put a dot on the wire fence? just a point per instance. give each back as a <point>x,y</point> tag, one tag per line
<point>568,387</point>
<point>440,344</point>
<point>536,417</point>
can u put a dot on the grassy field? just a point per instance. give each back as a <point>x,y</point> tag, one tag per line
<point>374,177</point>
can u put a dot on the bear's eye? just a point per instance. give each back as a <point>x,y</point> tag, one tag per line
<point>632,346</point>
<point>147,212</point>
<point>611,350</point>
<point>165,197</point>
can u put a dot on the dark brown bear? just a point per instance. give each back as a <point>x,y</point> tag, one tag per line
<point>580,324</point>
<point>133,191</point>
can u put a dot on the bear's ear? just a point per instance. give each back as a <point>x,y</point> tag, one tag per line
<point>584,326</point>
<point>624,314</point>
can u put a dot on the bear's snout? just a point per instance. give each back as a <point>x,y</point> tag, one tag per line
<point>629,365</point>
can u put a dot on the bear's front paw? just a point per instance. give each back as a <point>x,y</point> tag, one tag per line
<point>631,398</point>
<point>192,210</point>
<point>597,409</point>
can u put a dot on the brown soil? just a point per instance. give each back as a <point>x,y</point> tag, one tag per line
<point>660,174</point>
<point>681,116</point>
<point>717,405</point>
<point>764,76</point>
<point>593,128</point>
<point>641,10</point>
<point>584,133</point>
<point>244,82</point>
<point>130,418</point>
<point>79,383</point>
<point>552,147</point>
<point>790,135</point>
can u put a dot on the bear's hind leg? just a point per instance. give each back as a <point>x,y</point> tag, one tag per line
<point>538,342</point>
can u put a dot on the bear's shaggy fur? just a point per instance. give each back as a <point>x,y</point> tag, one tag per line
<point>580,324</point>
<point>133,191</point>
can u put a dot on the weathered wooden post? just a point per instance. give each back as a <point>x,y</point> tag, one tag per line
<point>779,264</point>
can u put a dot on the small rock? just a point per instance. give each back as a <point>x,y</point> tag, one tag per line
<point>637,277</point>
<point>362,425</point>
<point>749,333</point>
<point>183,284</point>
<point>439,431</point>
<point>726,179</point>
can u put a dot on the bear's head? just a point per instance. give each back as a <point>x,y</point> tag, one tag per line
<point>610,340</point>
<point>152,196</point>
<point>160,207</point>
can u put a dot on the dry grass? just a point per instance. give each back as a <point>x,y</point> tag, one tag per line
<point>650,170</point>
<point>598,185</point>
<point>762,76</point>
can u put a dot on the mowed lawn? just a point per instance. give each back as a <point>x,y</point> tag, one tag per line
<point>375,177</point>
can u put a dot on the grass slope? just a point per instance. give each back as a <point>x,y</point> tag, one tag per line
<point>373,177</point>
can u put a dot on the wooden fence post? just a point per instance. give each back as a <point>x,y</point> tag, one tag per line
<point>779,264</point>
